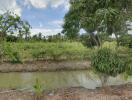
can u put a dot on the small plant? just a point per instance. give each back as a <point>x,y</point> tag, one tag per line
<point>15,57</point>
<point>107,63</point>
<point>38,90</point>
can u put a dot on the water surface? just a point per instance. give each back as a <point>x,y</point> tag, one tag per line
<point>53,80</point>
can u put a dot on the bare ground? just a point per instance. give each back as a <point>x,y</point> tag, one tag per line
<point>34,66</point>
<point>123,92</point>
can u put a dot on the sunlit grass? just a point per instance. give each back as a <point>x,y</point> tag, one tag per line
<point>52,51</point>
<point>57,51</point>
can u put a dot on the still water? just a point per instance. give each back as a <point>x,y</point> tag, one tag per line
<point>53,80</point>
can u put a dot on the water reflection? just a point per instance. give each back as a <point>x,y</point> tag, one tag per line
<point>53,80</point>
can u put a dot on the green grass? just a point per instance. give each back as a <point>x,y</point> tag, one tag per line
<point>26,51</point>
<point>47,51</point>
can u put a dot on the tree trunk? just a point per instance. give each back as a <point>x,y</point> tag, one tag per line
<point>104,79</point>
<point>96,39</point>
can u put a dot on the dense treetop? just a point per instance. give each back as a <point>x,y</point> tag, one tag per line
<point>109,16</point>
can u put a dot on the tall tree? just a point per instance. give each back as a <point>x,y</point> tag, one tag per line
<point>11,23</point>
<point>71,26</point>
<point>107,16</point>
<point>26,30</point>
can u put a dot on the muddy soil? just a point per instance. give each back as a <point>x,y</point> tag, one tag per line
<point>34,66</point>
<point>122,92</point>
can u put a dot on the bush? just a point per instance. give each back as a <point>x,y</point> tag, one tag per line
<point>11,55</point>
<point>108,63</point>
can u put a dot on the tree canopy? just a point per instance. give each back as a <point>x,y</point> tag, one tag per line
<point>11,23</point>
<point>109,16</point>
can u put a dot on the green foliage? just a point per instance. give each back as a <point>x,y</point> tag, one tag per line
<point>108,16</point>
<point>39,54</point>
<point>26,51</point>
<point>129,68</point>
<point>1,52</point>
<point>71,26</point>
<point>11,55</point>
<point>38,90</point>
<point>108,62</point>
<point>11,23</point>
<point>60,51</point>
<point>87,41</point>
<point>45,51</point>
<point>15,58</point>
<point>11,38</point>
<point>104,37</point>
<point>126,40</point>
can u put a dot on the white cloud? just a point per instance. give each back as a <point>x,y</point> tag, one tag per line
<point>37,3</point>
<point>56,3</point>
<point>45,3</point>
<point>57,23</point>
<point>10,5</point>
<point>45,31</point>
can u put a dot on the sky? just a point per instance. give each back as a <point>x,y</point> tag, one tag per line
<point>44,16</point>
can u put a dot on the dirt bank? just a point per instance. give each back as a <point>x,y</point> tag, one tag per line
<point>33,66</point>
<point>123,92</point>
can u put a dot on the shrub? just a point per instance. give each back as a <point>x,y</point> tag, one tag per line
<point>11,55</point>
<point>108,63</point>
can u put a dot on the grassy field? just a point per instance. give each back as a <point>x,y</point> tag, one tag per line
<point>27,51</point>
<point>45,51</point>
